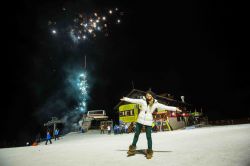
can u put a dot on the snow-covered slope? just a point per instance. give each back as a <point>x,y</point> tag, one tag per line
<point>210,146</point>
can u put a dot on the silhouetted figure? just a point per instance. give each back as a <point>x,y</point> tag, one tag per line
<point>48,137</point>
<point>109,129</point>
<point>56,134</point>
<point>102,129</point>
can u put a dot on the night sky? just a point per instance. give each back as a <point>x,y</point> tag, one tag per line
<point>189,48</point>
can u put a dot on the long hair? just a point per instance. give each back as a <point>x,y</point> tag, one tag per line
<point>152,94</point>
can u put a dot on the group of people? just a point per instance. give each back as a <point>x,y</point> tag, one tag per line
<point>120,129</point>
<point>49,137</point>
<point>158,126</point>
<point>145,121</point>
<point>103,128</point>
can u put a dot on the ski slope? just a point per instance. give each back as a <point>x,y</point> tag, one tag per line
<point>208,146</point>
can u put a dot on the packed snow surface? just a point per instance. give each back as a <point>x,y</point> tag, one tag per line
<point>208,146</point>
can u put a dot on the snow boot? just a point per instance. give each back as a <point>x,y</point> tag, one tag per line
<point>149,154</point>
<point>131,150</point>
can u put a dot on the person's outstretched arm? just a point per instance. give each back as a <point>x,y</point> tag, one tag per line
<point>135,101</point>
<point>169,108</point>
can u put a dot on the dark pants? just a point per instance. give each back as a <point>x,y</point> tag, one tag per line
<point>148,134</point>
<point>47,141</point>
<point>56,137</point>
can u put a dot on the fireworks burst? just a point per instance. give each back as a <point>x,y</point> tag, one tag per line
<point>83,88</point>
<point>86,26</point>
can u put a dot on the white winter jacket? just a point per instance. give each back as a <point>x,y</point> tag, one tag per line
<point>145,117</point>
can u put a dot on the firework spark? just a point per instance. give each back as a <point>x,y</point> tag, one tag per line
<point>86,26</point>
<point>54,31</point>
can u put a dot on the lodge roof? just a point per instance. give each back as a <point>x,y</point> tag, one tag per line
<point>135,93</point>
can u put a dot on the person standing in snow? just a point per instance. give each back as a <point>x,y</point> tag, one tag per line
<point>126,128</point>
<point>102,129</point>
<point>109,129</point>
<point>48,138</point>
<point>148,105</point>
<point>57,134</point>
